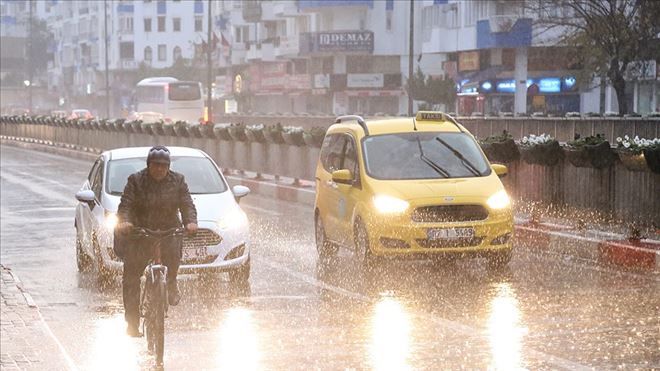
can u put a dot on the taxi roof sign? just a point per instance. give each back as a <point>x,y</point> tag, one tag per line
<point>431,116</point>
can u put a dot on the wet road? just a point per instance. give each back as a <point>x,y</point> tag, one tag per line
<point>545,312</point>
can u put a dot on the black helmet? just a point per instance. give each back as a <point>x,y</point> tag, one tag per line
<point>159,154</point>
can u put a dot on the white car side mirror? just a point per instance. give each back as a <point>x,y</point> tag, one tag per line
<point>240,191</point>
<point>86,195</point>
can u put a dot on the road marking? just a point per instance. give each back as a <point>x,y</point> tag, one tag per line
<point>452,325</point>
<point>261,210</point>
<point>38,189</point>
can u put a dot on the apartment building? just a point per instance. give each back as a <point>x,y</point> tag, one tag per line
<point>321,56</point>
<point>502,62</point>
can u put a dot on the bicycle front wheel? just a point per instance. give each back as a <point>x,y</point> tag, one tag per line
<point>156,320</point>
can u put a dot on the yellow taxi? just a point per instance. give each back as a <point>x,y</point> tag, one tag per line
<point>409,187</point>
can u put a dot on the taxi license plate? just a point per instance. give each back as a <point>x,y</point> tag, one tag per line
<point>449,233</point>
<point>191,253</point>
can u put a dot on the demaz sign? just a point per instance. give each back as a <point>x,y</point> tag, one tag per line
<point>346,41</point>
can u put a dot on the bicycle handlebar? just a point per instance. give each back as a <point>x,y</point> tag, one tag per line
<point>145,232</point>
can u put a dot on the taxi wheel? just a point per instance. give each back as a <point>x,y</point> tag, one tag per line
<point>362,250</point>
<point>325,248</point>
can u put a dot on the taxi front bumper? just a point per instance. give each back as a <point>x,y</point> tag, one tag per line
<point>401,237</point>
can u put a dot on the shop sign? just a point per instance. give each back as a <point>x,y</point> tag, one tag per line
<point>468,61</point>
<point>641,70</point>
<point>364,80</point>
<point>298,82</point>
<point>321,81</point>
<point>549,85</point>
<point>345,41</point>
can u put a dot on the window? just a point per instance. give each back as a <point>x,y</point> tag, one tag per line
<point>176,24</point>
<point>350,158</point>
<point>126,50</point>
<point>162,52</point>
<point>126,25</point>
<point>150,94</point>
<point>199,23</point>
<point>97,182</point>
<point>176,53</point>
<point>388,21</point>
<point>147,25</point>
<point>184,91</point>
<point>331,152</point>
<point>242,34</point>
<point>359,64</point>
<point>161,24</point>
<point>148,54</point>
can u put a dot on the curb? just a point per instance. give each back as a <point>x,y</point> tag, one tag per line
<point>19,284</point>
<point>600,246</point>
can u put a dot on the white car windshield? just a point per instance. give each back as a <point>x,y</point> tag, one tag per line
<point>423,155</point>
<point>201,175</point>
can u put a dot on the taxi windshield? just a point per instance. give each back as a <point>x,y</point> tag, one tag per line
<point>423,155</point>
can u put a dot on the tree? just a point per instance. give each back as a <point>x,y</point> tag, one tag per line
<point>610,36</point>
<point>431,90</point>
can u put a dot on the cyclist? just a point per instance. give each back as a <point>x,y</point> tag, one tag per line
<point>153,198</point>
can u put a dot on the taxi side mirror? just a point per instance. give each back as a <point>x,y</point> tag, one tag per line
<point>342,176</point>
<point>500,170</point>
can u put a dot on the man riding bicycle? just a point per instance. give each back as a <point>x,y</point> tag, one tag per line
<point>152,198</point>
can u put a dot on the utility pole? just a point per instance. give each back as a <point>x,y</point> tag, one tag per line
<point>209,82</point>
<point>105,37</point>
<point>411,50</point>
<point>30,57</point>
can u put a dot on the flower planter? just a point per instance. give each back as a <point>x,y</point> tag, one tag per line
<point>598,156</point>
<point>194,130</point>
<point>168,128</point>
<point>181,129</point>
<point>546,154</point>
<point>255,133</point>
<point>293,137</point>
<point>237,132</point>
<point>221,131</point>
<point>652,157</point>
<point>632,161</point>
<point>206,130</point>
<point>313,140</point>
<point>273,134</point>
<point>504,152</point>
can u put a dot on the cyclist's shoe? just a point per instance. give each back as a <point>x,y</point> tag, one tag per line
<point>133,331</point>
<point>173,296</point>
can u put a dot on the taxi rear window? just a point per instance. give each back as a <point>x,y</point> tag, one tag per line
<point>423,155</point>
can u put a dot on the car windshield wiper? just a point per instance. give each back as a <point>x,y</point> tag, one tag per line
<point>430,162</point>
<point>469,165</point>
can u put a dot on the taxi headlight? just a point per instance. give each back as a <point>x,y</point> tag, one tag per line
<point>389,205</point>
<point>499,200</point>
<point>110,221</point>
<point>234,219</point>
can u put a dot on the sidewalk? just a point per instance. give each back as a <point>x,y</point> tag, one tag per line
<point>26,342</point>
<point>598,242</point>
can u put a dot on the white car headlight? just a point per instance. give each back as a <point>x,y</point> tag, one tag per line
<point>110,221</point>
<point>499,200</point>
<point>389,205</point>
<point>235,218</point>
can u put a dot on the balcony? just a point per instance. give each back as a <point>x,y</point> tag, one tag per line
<point>288,46</point>
<point>504,31</point>
<point>285,9</point>
<point>254,51</point>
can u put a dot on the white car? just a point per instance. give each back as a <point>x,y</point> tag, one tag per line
<point>221,243</point>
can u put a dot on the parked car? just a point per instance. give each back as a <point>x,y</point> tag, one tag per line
<point>146,117</point>
<point>58,113</point>
<point>221,243</point>
<point>409,188</point>
<point>80,114</point>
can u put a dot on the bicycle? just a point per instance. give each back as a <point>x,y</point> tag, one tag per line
<point>153,301</point>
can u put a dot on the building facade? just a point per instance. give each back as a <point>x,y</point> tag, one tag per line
<point>316,56</point>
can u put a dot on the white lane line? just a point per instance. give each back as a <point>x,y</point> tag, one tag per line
<point>38,189</point>
<point>452,325</point>
<point>261,210</point>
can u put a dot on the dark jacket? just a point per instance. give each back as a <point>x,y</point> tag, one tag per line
<point>151,204</point>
